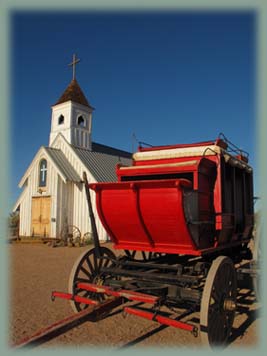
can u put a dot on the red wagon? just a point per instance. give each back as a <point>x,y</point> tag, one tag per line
<point>182,218</point>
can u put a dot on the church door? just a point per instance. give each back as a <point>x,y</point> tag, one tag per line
<point>41,216</point>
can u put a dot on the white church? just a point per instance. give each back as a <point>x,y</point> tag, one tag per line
<point>53,195</point>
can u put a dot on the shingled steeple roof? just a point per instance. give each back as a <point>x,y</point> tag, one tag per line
<point>74,93</point>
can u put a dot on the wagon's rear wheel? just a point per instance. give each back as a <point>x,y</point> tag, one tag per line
<point>256,264</point>
<point>87,269</point>
<point>218,302</point>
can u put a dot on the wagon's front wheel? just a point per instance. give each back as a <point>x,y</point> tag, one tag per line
<point>87,269</point>
<point>218,303</point>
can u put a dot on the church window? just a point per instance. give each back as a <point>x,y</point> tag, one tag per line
<point>81,121</point>
<point>42,173</point>
<point>61,120</point>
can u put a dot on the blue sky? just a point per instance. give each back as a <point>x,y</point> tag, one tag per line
<point>169,77</point>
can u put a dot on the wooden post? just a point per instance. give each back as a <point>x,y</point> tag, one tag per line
<point>92,217</point>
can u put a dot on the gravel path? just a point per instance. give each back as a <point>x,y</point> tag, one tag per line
<point>36,270</point>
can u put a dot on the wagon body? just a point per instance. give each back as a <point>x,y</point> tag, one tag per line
<point>182,199</point>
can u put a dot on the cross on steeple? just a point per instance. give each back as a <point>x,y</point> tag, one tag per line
<point>73,64</point>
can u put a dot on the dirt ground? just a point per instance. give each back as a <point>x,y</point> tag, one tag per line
<point>37,270</point>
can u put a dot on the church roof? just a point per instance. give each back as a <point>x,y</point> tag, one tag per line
<point>98,147</point>
<point>74,93</point>
<point>102,160</point>
<point>63,164</point>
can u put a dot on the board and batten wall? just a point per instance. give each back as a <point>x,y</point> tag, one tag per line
<point>78,211</point>
<point>31,187</point>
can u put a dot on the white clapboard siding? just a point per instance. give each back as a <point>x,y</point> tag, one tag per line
<point>31,190</point>
<point>80,208</point>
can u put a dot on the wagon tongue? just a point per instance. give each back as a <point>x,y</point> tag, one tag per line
<point>90,314</point>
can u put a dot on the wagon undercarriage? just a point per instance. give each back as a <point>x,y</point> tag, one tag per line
<point>180,285</point>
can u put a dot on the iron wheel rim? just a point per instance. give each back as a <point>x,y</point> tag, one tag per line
<point>87,269</point>
<point>221,284</point>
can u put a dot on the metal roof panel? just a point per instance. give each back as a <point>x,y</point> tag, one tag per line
<point>63,164</point>
<point>103,165</point>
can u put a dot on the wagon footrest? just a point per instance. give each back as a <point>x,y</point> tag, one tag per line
<point>162,319</point>
<point>75,298</point>
<point>128,294</point>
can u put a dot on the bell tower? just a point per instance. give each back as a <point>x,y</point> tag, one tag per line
<point>72,115</point>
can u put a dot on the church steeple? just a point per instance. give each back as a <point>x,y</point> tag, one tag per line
<point>74,93</point>
<point>72,115</point>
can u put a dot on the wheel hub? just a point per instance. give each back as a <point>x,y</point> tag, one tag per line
<point>229,305</point>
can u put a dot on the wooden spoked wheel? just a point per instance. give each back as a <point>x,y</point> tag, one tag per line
<point>70,234</point>
<point>218,303</point>
<point>87,269</point>
<point>87,238</point>
<point>256,264</point>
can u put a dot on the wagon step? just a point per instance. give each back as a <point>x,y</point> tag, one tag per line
<point>162,319</point>
<point>130,295</point>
